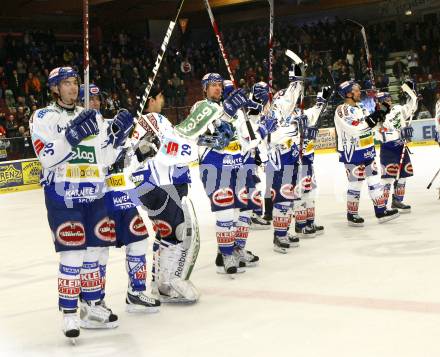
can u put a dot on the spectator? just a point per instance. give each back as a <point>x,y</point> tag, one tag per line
<point>429,93</point>
<point>180,94</point>
<point>4,144</point>
<point>425,59</point>
<point>413,63</point>
<point>350,57</point>
<point>16,84</point>
<point>32,85</point>
<point>399,69</point>
<point>185,68</point>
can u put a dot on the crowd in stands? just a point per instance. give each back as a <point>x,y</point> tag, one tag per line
<point>121,66</point>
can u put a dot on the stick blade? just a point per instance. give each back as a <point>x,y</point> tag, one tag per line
<point>293,56</point>
<point>355,23</point>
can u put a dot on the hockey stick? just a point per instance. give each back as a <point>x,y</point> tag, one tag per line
<point>367,51</point>
<point>407,90</point>
<point>225,58</point>
<point>271,22</point>
<point>151,79</point>
<point>432,181</point>
<point>86,53</point>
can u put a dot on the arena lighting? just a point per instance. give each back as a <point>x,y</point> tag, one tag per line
<point>408,12</point>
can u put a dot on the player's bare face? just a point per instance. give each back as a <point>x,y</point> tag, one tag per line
<point>156,104</point>
<point>95,102</point>
<point>214,91</point>
<point>68,91</point>
<point>356,92</point>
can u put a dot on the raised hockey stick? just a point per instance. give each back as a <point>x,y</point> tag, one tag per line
<point>271,22</point>
<point>407,90</point>
<point>367,51</point>
<point>432,181</point>
<point>86,53</point>
<point>156,67</point>
<point>218,35</point>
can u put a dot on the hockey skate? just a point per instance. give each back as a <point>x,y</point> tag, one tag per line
<point>281,244</point>
<point>178,292</point>
<point>400,206</point>
<point>71,325</point>
<point>138,301</point>
<point>95,316</point>
<point>259,223</point>
<point>306,232</point>
<point>293,240</point>
<point>354,220</point>
<point>229,265</point>
<point>219,263</point>
<point>318,229</point>
<point>247,257</point>
<point>388,215</point>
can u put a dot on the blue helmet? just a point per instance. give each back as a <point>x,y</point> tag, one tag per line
<point>346,87</point>
<point>93,91</point>
<point>60,73</point>
<point>383,96</point>
<point>228,88</point>
<point>209,78</point>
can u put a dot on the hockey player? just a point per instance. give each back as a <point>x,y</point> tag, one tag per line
<point>74,148</point>
<point>162,188</point>
<point>220,163</point>
<point>304,208</point>
<point>356,150</point>
<point>282,168</point>
<point>129,227</point>
<point>393,132</point>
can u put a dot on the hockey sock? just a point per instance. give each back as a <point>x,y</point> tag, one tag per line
<point>225,232</point>
<point>155,266</point>
<point>353,197</point>
<point>90,279</point>
<point>309,197</point>
<point>376,191</point>
<point>103,259</point>
<point>300,214</point>
<point>69,282</point>
<point>136,265</point>
<point>387,188</point>
<point>281,218</point>
<point>399,189</point>
<point>242,228</point>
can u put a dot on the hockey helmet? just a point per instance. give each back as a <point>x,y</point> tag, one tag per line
<point>60,73</point>
<point>93,91</point>
<point>228,88</point>
<point>346,87</point>
<point>383,96</point>
<point>210,78</point>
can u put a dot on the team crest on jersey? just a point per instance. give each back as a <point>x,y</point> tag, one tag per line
<point>223,197</point>
<point>71,234</point>
<point>243,196</point>
<point>164,228</point>
<point>392,169</point>
<point>288,191</point>
<point>409,168</point>
<point>105,230</point>
<point>137,226</point>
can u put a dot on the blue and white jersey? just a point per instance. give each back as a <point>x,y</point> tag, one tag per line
<point>437,116</point>
<point>355,137</point>
<point>69,173</point>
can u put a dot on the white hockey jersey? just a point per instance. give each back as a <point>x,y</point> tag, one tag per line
<point>437,116</point>
<point>355,137</point>
<point>78,173</point>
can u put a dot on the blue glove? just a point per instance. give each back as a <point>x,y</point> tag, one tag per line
<point>268,124</point>
<point>81,127</point>
<point>225,129</point>
<point>302,120</point>
<point>220,139</point>
<point>406,133</point>
<point>310,132</point>
<point>121,127</point>
<point>234,102</point>
<point>260,93</point>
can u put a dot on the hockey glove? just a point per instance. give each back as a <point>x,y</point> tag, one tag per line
<point>121,127</point>
<point>268,124</point>
<point>234,102</point>
<point>324,95</point>
<point>81,127</point>
<point>148,147</point>
<point>310,132</point>
<point>407,133</point>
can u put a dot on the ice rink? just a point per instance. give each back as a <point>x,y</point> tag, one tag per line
<point>364,292</point>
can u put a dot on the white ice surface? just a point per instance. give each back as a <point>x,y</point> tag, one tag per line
<point>364,292</point>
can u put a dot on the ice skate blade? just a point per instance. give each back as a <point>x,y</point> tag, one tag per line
<point>95,325</point>
<point>176,300</point>
<point>72,340</point>
<point>404,211</point>
<point>280,250</point>
<point>249,265</point>
<point>294,245</point>
<point>139,309</point>
<point>388,218</point>
<point>306,236</point>
<point>352,224</point>
<point>319,233</point>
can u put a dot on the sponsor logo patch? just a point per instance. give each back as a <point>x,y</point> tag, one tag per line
<point>409,168</point>
<point>243,196</point>
<point>137,226</point>
<point>71,234</point>
<point>223,197</point>
<point>392,169</point>
<point>105,230</point>
<point>164,228</point>
<point>287,191</point>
